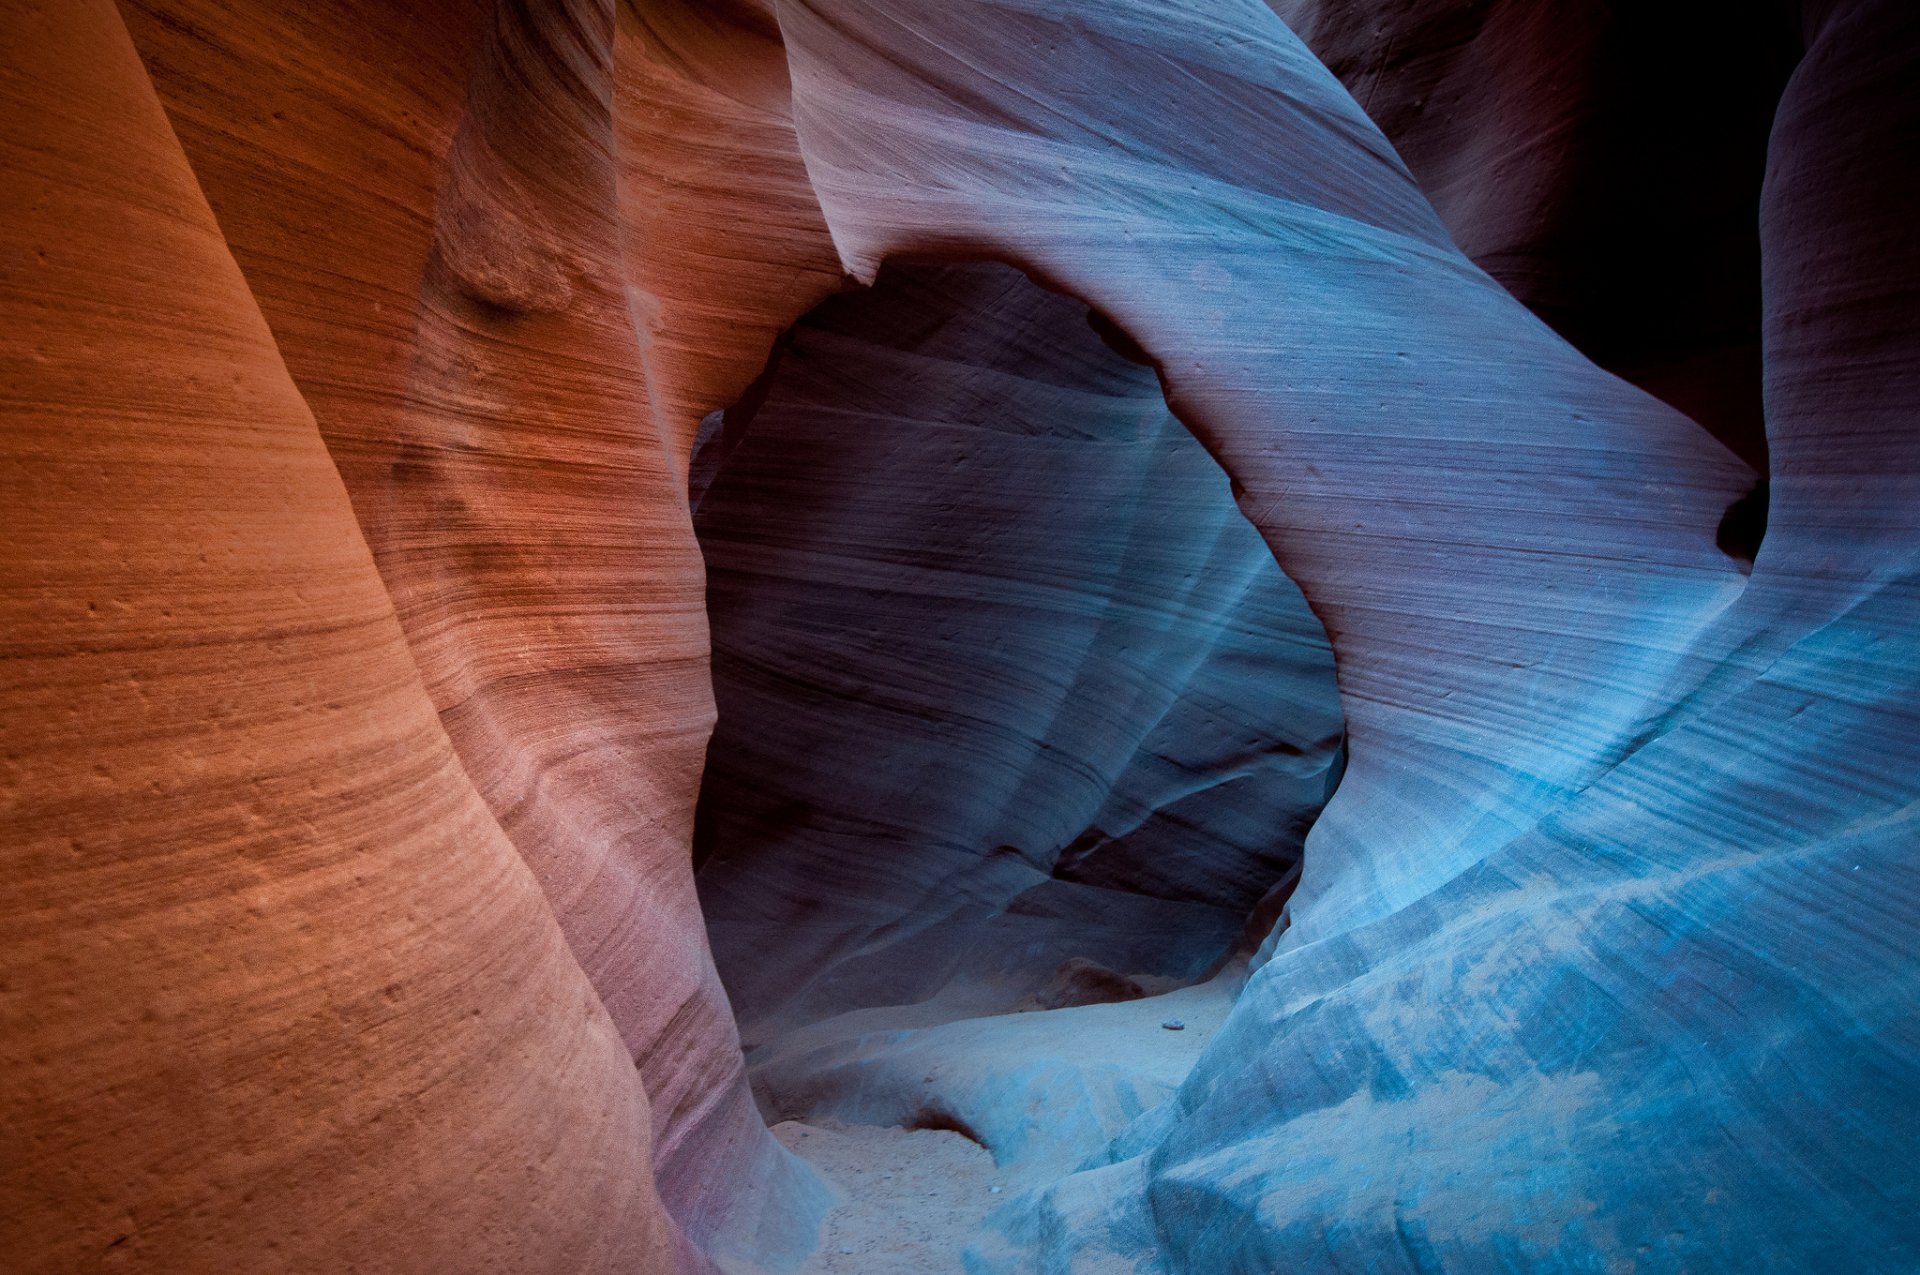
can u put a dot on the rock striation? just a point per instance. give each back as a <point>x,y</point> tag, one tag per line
<point>279,994</point>
<point>1545,920</point>
<point>1592,158</point>
<point>1005,679</point>
<point>355,700</point>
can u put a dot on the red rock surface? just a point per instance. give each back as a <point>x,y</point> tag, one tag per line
<point>724,242</point>
<point>279,994</point>
<point>440,247</point>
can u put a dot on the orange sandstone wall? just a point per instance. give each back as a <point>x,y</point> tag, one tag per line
<point>428,204</point>
<point>278,994</point>
<point>723,237</point>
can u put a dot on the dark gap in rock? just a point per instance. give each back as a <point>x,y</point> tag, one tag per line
<point>1116,339</point>
<point>1744,526</point>
<point>1016,709</point>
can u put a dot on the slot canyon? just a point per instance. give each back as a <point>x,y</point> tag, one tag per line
<point>1023,637</point>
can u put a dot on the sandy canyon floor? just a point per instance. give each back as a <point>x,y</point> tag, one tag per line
<point>915,1199</point>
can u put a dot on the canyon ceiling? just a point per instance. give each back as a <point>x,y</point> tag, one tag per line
<point>1300,616</point>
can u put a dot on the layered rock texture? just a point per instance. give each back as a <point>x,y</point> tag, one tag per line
<point>1005,678</point>
<point>1591,156</point>
<point>280,992</point>
<point>1222,413</point>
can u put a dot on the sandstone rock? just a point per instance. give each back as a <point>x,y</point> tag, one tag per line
<point>278,994</point>
<point>1004,677</point>
<point>1536,847</point>
<point>354,636</point>
<point>1602,161</point>
<point>430,215</point>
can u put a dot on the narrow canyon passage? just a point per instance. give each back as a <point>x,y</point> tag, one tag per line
<point>1020,728</point>
<point>579,696</point>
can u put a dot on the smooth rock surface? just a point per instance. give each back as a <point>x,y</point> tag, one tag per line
<point>428,206</point>
<point>1602,161</point>
<point>1544,921</point>
<point>271,969</point>
<point>354,688</point>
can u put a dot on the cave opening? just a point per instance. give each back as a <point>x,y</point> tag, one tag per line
<point>1021,726</point>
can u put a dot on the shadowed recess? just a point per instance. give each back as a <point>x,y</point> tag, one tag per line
<point>1016,709</point>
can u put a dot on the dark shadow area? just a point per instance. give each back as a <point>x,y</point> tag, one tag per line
<point>1744,526</point>
<point>1014,702</point>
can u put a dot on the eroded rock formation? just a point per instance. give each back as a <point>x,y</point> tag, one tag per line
<point>1005,678</point>
<point>279,992</point>
<point>1591,156</point>
<point>354,671</point>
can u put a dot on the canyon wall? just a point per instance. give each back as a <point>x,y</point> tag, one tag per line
<point>1591,156</point>
<point>279,993</point>
<point>1578,904</point>
<point>354,676</point>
